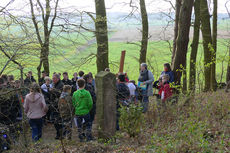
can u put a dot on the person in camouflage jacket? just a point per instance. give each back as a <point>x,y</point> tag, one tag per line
<point>66,111</point>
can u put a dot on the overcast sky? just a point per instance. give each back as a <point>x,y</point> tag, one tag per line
<point>111,5</point>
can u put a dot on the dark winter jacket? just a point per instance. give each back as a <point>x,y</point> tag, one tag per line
<point>55,93</point>
<point>29,81</point>
<point>67,82</point>
<point>123,94</point>
<point>41,81</point>
<point>89,87</point>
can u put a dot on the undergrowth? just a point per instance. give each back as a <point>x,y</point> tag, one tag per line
<point>198,123</point>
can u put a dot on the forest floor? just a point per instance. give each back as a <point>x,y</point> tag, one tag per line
<point>198,123</point>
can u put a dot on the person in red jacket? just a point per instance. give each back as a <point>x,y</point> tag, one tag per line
<point>166,92</point>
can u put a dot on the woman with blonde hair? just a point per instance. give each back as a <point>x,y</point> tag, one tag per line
<point>35,108</point>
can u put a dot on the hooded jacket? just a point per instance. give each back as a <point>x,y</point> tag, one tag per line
<point>35,106</point>
<point>82,102</point>
<point>65,106</point>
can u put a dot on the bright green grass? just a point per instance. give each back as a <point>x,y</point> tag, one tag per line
<point>158,54</point>
<point>66,58</point>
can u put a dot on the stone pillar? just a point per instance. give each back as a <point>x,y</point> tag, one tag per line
<point>106,104</point>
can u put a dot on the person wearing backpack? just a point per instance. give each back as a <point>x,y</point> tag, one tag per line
<point>145,82</point>
<point>66,111</point>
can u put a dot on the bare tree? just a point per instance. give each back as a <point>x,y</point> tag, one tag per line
<point>48,27</point>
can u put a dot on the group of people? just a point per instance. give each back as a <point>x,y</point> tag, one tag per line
<point>60,102</point>
<point>65,101</point>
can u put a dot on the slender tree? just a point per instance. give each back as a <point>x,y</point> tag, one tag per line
<point>47,23</point>
<point>179,61</point>
<point>228,68</point>
<point>101,36</point>
<point>177,13</point>
<point>214,43</point>
<point>207,42</point>
<point>145,31</point>
<point>194,46</point>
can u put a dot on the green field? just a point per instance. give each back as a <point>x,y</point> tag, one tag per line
<point>65,57</point>
<point>158,53</point>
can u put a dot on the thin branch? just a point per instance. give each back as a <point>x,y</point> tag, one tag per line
<point>43,13</point>
<point>8,56</point>
<point>35,22</point>
<point>6,64</point>
<point>7,5</point>
<point>91,16</point>
<point>227,7</point>
<point>133,43</point>
<point>54,17</point>
<point>170,2</point>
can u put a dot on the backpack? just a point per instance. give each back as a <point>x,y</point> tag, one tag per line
<point>65,108</point>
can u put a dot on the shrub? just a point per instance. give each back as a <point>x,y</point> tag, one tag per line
<point>131,119</point>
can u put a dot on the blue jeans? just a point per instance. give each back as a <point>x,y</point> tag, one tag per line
<point>36,125</point>
<point>144,101</point>
<point>88,127</point>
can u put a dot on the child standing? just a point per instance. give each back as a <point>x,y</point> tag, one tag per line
<point>132,89</point>
<point>82,102</point>
<point>166,90</point>
<point>66,112</point>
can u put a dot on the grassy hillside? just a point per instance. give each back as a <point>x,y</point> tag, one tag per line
<point>67,58</point>
<point>70,52</point>
<point>158,54</point>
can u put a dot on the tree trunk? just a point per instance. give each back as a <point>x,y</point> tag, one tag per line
<point>185,86</point>
<point>214,42</point>
<point>194,46</point>
<point>145,31</point>
<point>228,68</point>
<point>101,36</point>
<point>177,14</point>
<point>207,42</point>
<point>46,57</point>
<point>179,61</point>
<point>40,65</point>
